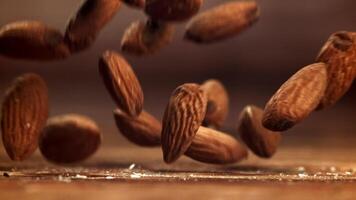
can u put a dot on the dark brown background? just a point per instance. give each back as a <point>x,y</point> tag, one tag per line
<point>252,65</point>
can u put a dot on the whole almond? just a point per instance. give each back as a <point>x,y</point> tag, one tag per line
<point>69,138</point>
<point>121,82</point>
<point>211,146</point>
<point>143,130</point>
<point>142,38</point>
<point>218,103</point>
<point>260,140</point>
<point>182,118</point>
<point>339,53</point>
<point>172,10</point>
<point>296,98</point>
<point>23,115</point>
<point>222,22</point>
<point>92,16</point>
<point>32,40</point>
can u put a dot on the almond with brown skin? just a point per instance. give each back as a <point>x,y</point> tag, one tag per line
<point>222,22</point>
<point>23,115</point>
<point>182,118</point>
<point>296,98</point>
<point>69,138</point>
<point>260,140</point>
<point>121,82</point>
<point>215,147</point>
<point>218,103</point>
<point>339,53</point>
<point>85,26</point>
<point>143,130</point>
<point>32,40</point>
<point>142,38</point>
<point>172,10</point>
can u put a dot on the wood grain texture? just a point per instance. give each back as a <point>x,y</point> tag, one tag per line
<point>339,53</point>
<point>23,115</point>
<point>260,140</point>
<point>215,147</point>
<point>86,24</point>
<point>222,22</point>
<point>143,130</point>
<point>182,118</point>
<point>217,105</point>
<point>32,40</point>
<point>146,37</point>
<point>69,138</point>
<point>172,10</point>
<point>121,82</point>
<point>296,98</point>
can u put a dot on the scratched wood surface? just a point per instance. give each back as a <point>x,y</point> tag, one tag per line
<point>125,172</point>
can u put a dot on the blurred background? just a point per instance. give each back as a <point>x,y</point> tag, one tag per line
<point>252,65</point>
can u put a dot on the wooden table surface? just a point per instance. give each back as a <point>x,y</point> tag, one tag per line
<point>126,172</point>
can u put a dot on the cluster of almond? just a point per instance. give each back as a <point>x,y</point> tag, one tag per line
<point>33,40</point>
<point>62,139</point>
<point>194,110</point>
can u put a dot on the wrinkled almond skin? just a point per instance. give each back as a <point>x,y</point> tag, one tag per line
<point>260,140</point>
<point>143,130</point>
<point>214,147</point>
<point>218,103</point>
<point>90,19</point>
<point>339,53</point>
<point>121,82</point>
<point>222,22</point>
<point>32,40</point>
<point>143,38</point>
<point>296,98</point>
<point>182,118</point>
<point>69,138</point>
<point>172,10</point>
<point>140,4</point>
<point>23,115</point>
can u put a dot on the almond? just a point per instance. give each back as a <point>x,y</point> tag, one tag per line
<point>260,140</point>
<point>32,40</point>
<point>222,22</point>
<point>211,146</point>
<point>182,118</point>
<point>23,115</point>
<point>217,105</point>
<point>121,82</point>
<point>296,98</point>
<point>142,38</point>
<point>143,130</point>
<point>69,138</point>
<point>172,10</point>
<point>84,27</point>
<point>339,53</point>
